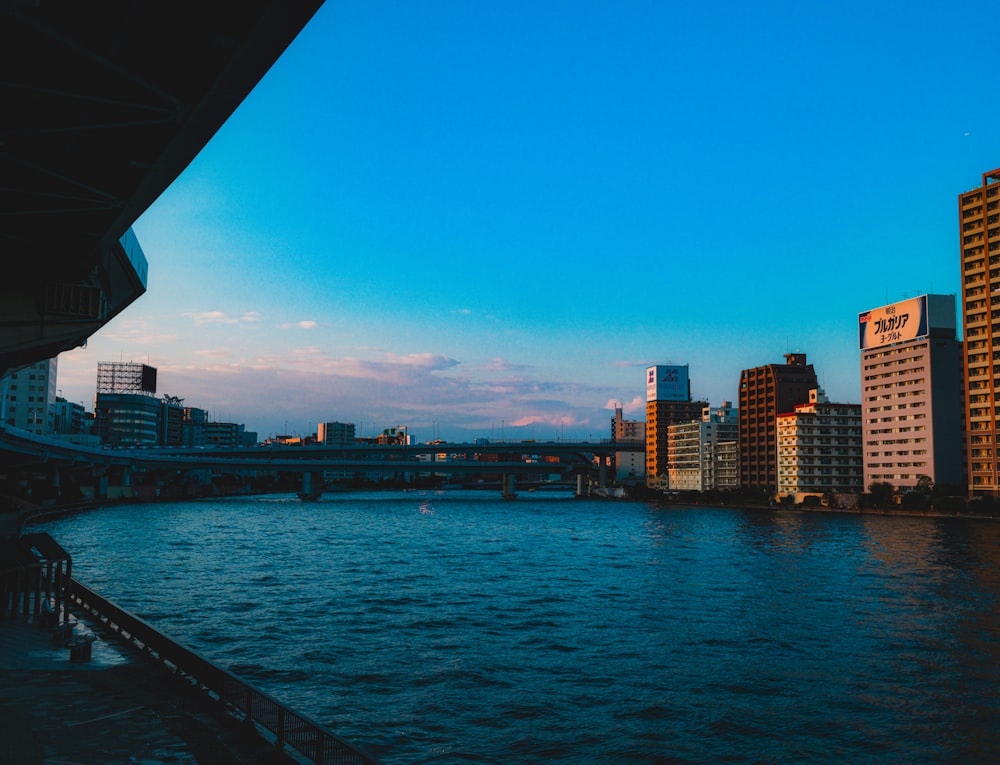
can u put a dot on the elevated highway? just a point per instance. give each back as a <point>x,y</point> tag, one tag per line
<point>26,452</point>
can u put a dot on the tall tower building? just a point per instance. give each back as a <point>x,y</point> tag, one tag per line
<point>911,392</point>
<point>766,392</point>
<point>979,229</point>
<point>668,401</point>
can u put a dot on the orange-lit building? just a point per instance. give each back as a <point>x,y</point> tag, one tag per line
<point>668,402</point>
<point>911,392</point>
<point>979,226</point>
<point>766,392</point>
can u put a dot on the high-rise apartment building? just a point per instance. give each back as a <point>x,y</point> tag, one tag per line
<point>911,392</point>
<point>979,222</point>
<point>766,392</point>
<point>696,451</point>
<point>819,448</point>
<point>668,401</point>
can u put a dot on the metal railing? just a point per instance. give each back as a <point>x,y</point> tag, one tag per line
<point>289,728</point>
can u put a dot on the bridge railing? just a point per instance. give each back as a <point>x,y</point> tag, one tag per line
<point>288,728</point>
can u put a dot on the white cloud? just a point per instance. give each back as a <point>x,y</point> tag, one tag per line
<point>307,324</point>
<point>221,317</point>
<point>636,406</point>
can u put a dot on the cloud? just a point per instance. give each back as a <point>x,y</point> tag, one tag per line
<point>636,405</point>
<point>220,317</point>
<point>308,324</point>
<point>498,364</point>
<point>214,353</point>
<point>137,333</point>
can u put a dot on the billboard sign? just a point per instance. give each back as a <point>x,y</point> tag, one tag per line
<point>667,383</point>
<point>895,323</point>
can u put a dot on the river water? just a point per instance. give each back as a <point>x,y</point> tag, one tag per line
<point>457,627</point>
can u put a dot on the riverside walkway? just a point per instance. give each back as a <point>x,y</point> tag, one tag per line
<point>118,707</point>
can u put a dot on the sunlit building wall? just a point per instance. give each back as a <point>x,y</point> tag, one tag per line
<point>695,449</point>
<point>979,232</point>
<point>819,448</point>
<point>911,393</point>
<point>668,401</point>
<point>766,391</point>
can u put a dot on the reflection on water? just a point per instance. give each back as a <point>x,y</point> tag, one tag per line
<point>455,627</point>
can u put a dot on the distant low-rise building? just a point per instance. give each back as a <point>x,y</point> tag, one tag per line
<point>335,433</point>
<point>628,465</point>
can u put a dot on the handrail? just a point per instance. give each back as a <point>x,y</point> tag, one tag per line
<point>308,738</point>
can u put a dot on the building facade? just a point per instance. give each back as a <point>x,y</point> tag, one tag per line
<point>765,392</point>
<point>335,433</point>
<point>628,465</point>
<point>819,449</point>
<point>28,398</point>
<point>696,452</point>
<point>126,410</point>
<point>71,418</point>
<point>668,401</point>
<point>911,393</point>
<point>979,231</point>
<point>128,419</point>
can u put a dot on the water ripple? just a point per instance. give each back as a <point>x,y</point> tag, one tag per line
<point>455,627</point>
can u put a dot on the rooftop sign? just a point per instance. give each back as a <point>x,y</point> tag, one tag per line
<point>895,323</point>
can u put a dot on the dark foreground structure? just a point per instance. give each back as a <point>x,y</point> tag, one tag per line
<point>82,680</point>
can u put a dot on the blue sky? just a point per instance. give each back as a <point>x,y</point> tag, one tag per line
<point>478,219</point>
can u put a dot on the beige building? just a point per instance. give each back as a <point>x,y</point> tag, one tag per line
<point>979,221</point>
<point>819,448</point>
<point>694,448</point>
<point>911,391</point>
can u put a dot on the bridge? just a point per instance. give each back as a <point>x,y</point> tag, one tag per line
<point>26,451</point>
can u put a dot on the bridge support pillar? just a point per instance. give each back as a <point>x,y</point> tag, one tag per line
<point>126,476</point>
<point>101,485</point>
<point>312,485</point>
<point>508,486</point>
<point>579,484</point>
<point>55,479</point>
<point>602,480</point>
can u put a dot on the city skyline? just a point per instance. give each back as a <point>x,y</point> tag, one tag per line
<point>462,219</point>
